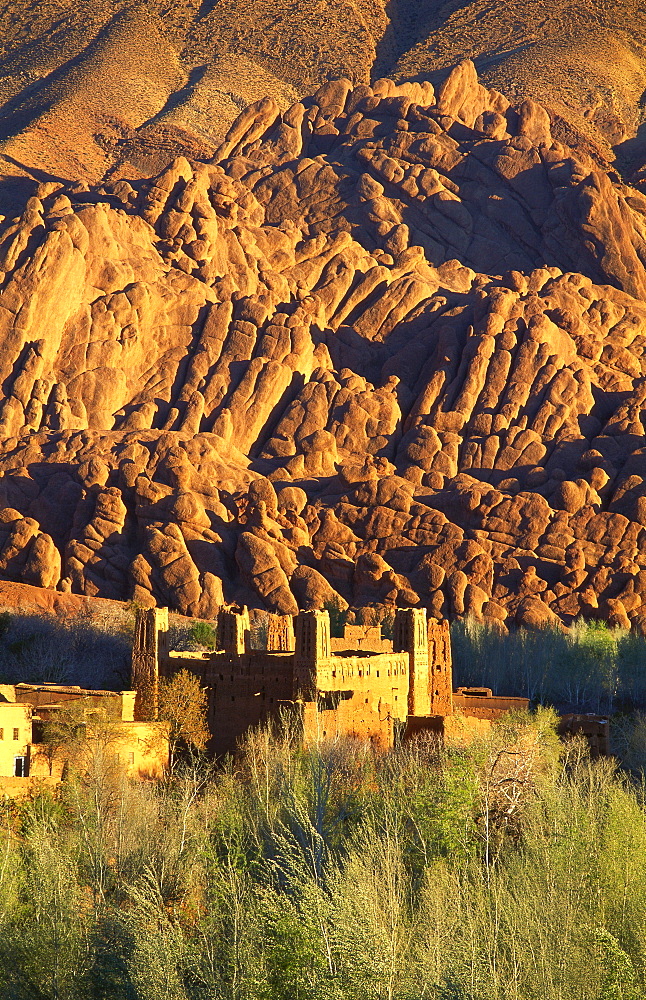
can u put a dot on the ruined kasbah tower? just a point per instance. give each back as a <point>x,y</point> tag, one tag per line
<point>361,693</point>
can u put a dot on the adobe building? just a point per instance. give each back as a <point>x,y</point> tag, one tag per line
<point>403,688</point>
<point>15,738</point>
<point>138,749</point>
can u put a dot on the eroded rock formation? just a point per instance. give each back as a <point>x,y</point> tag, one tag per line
<point>387,347</point>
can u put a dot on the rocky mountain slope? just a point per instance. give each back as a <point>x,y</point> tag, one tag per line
<point>121,86</point>
<point>385,347</point>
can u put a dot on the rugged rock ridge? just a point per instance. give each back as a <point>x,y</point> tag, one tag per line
<point>351,359</point>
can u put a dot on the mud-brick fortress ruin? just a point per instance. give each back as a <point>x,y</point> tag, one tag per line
<point>380,691</point>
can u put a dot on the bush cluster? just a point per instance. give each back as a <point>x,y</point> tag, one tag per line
<point>588,668</point>
<point>504,869</point>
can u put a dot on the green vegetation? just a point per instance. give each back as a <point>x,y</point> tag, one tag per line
<point>338,617</point>
<point>591,666</point>
<point>204,635</point>
<point>509,869</point>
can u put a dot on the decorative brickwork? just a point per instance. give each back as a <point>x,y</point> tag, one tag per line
<point>440,668</point>
<point>149,648</point>
<point>280,634</point>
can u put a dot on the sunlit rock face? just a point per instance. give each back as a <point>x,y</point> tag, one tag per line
<point>383,347</point>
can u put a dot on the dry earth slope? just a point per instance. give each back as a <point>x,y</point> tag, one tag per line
<point>387,346</point>
<point>122,86</point>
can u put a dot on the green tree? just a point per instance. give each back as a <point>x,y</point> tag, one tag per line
<point>203,634</point>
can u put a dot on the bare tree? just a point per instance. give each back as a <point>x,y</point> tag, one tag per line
<point>183,705</point>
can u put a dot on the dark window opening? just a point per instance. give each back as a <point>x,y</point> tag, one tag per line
<point>329,700</point>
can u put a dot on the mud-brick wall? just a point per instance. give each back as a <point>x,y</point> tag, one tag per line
<point>377,676</point>
<point>332,716</point>
<point>362,696</point>
<point>244,691</point>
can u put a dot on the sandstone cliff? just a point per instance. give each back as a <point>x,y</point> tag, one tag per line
<point>386,346</point>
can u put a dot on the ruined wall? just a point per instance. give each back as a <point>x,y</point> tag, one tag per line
<point>366,638</point>
<point>117,705</point>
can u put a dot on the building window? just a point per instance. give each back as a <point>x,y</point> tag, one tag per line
<point>16,734</point>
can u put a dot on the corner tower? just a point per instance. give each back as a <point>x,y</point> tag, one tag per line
<point>312,646</point>
<point>440,667</point>
<point>410,636</point>
<point>149,646</point>
<point>233,630</point>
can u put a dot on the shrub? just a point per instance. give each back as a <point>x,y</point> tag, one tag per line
<point>203,634</point>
